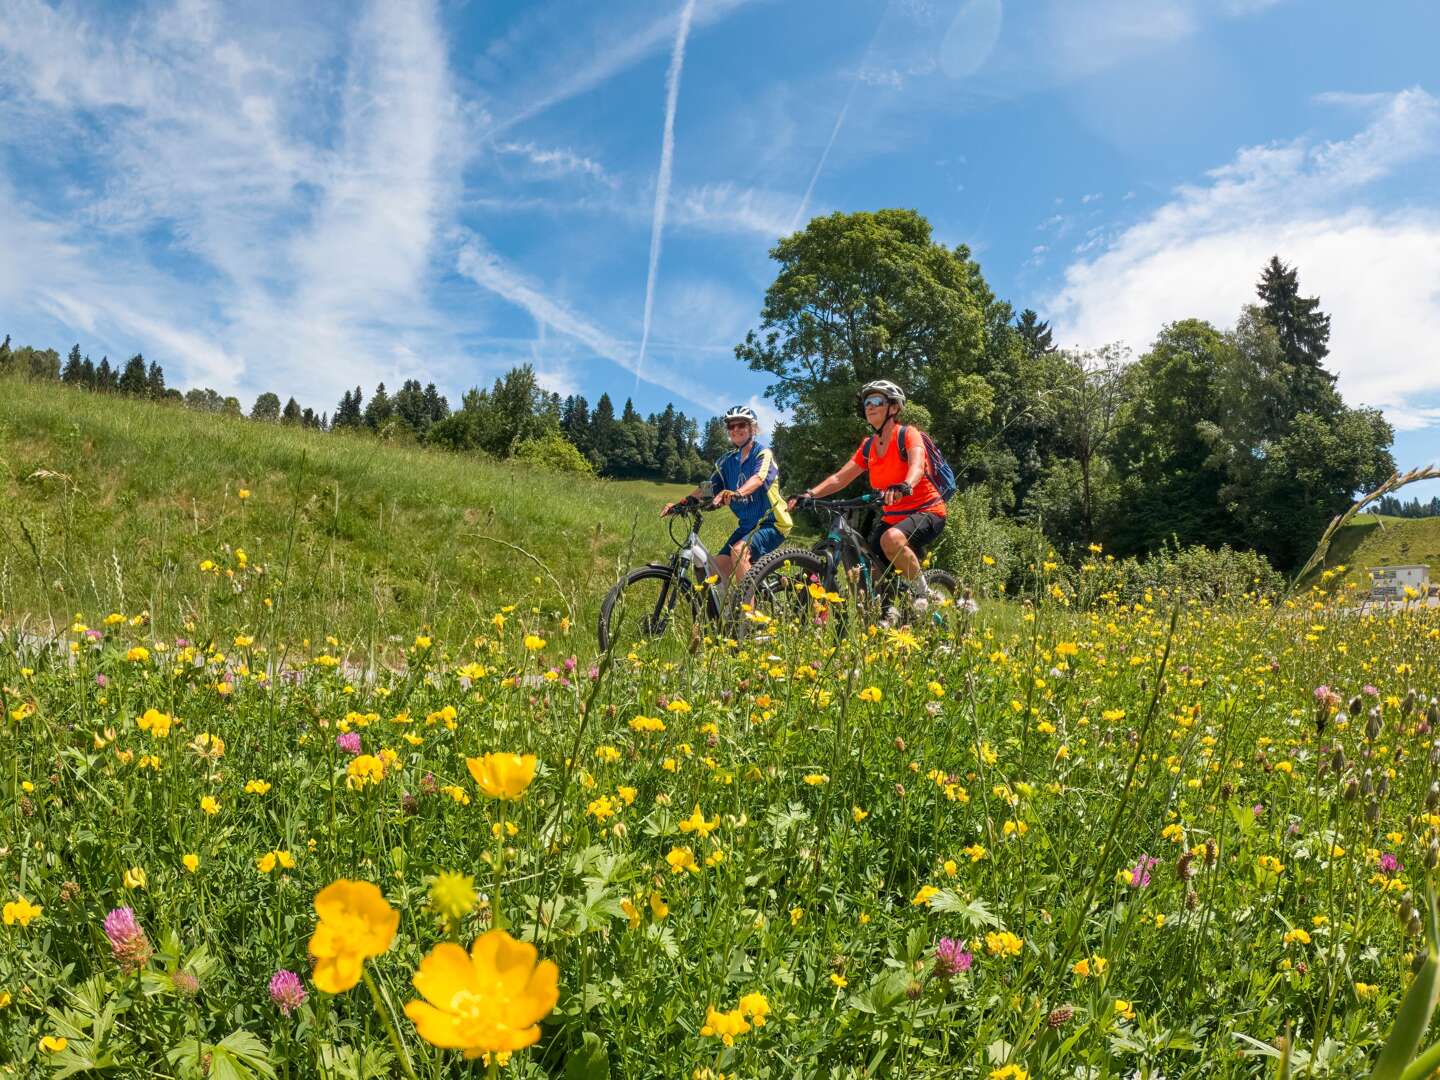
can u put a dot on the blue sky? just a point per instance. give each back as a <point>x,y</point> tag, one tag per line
<point>299,198</point>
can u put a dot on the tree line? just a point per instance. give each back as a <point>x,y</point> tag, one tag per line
<point>516,417</point>
<point>1411,508</point>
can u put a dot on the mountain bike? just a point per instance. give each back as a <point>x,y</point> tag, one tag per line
<point>678,595</point>
<point>814,586</point>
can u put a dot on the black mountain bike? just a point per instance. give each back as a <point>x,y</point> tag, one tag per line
<point>801,585</point>
<point>674,596</point>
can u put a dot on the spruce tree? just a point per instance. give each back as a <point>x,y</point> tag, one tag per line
<point>88,374</point>
<point>74,372</point>
<point>380,409</point>
<point>1035,332</point>
<point>1303,329</point>
<point>132,379</point>
<point>104,377</point>
<point>155,381</point>
<point>291,413</point>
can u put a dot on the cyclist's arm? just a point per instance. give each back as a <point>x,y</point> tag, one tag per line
<point>840,478</point>
<point>671,505</point>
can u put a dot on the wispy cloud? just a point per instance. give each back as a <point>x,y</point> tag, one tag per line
<point>488,270</point>
<point>662,183</point>
<point>558,161</point>
<point>307,246</point>
<point>581,61</point>
<point>1199,255</point>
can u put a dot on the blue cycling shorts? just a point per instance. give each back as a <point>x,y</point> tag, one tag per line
<point>764,539</point>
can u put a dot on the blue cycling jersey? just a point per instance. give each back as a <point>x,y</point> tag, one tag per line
<point>732,470</point>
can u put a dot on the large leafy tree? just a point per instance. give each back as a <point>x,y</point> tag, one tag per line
<point>864,296</point>
<point>1170,486</point>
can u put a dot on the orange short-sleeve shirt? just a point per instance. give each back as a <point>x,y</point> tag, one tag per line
<point>887,468</point>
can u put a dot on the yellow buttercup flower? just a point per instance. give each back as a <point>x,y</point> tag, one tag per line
<point>502,776</point>
<point>490,1000</point>
<point>871,694</point>
<point>191,862</point>
<point>134,878</point>
<point>53,1044</point>
<point>210,804</point>
<point>355,923</point>
<point>534,642</point>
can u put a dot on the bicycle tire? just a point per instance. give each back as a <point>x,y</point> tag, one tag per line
<point>771,590</point>
<point>609,629</point>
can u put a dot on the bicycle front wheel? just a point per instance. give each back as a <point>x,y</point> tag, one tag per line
<point>649,603</point>
<point>776,591</point>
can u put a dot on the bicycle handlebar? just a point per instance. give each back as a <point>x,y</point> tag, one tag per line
<point>691,506</point>
<point>841,505</point>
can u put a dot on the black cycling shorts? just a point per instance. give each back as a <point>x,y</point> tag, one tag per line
<point>921,529</point>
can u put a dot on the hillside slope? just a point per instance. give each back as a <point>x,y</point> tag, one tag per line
<point>1374,540</point>
<point>111,504</point>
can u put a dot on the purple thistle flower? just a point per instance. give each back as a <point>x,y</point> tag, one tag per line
<point>101,681</point>
<point>1389,863</point>
<point>1369,690</point>
<point>570,663</point>
<point>1140,874</point>
<point>952,958</point>
<point>287,991</point>
<point>127,940</point>
<point>348,741</point>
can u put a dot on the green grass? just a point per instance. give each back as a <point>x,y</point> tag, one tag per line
<point>113,504</point>
<point>1372,540</point>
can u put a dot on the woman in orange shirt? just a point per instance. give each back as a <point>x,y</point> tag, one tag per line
<point>914,513</point>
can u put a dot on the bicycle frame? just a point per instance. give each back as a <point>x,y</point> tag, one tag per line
<point>846,550</point>
<point>694,554</point>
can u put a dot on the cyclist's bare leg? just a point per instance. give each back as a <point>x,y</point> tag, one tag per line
<point>725,564</point>
<point>742,559</point>
<point>897,550</point>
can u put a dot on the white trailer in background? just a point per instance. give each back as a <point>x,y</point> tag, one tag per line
<point>1390,582</point>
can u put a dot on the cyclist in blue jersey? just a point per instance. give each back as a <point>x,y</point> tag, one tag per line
<point>748,481</point>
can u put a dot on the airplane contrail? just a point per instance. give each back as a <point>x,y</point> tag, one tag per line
<point>662,183</point>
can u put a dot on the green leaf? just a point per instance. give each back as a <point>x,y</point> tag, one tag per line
<point>590,1061</point>
<point>1413,1016</point>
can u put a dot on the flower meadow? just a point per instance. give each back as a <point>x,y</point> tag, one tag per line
<point>1052,839</point>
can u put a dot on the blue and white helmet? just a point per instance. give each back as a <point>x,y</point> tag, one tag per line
<point>741,412</point>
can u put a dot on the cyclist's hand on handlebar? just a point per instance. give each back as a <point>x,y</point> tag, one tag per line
<point>723,498</point>
<point>666,509</point>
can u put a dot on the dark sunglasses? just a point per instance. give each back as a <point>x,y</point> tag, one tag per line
<point>875,402</point>
<point>738,425</point>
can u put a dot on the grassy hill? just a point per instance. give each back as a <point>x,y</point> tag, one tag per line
<point>1380,540</point>
<point>111,504</point>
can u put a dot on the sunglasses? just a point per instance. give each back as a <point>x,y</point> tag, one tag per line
<point>875,402</point>
<point>739,425</point>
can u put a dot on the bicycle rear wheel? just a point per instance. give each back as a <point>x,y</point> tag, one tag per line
<point>649,603</point>
<point>776,592</point>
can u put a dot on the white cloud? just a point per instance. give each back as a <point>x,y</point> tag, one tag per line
<point>1375,271</point>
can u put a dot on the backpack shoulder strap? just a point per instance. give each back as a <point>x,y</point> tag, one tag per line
<point>865,450</point>
<point>900,441</point>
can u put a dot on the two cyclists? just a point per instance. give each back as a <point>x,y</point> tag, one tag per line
<point>748,481</point>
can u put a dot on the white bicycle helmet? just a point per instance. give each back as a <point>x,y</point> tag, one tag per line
<point>741,412</point>
<point>885,387</point>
